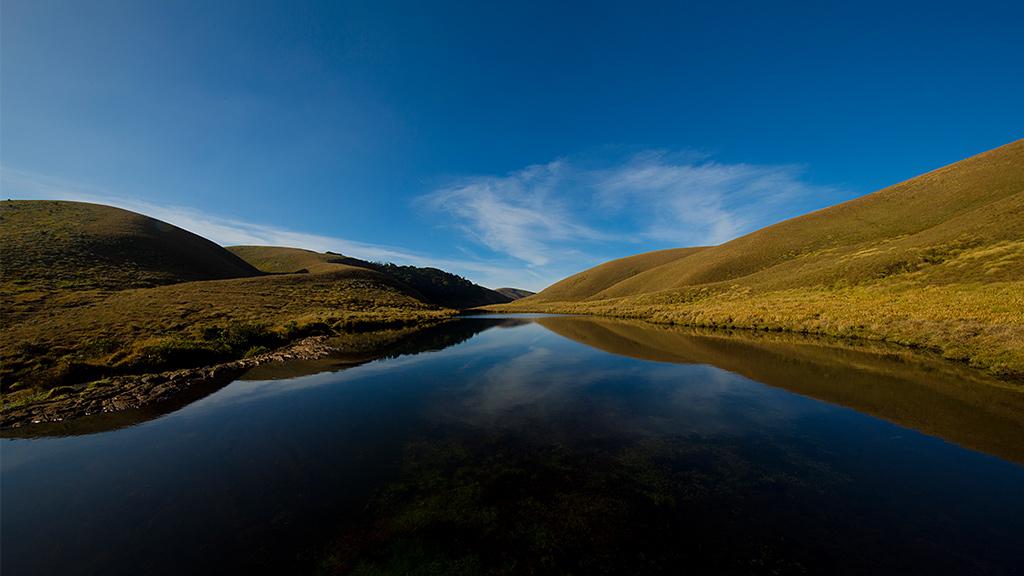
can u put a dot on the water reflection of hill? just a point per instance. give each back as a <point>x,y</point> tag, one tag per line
<point>928,394</point>
<point>360,348</point>
<point>356,349</point>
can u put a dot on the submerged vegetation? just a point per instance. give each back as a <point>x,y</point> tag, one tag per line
<point>936,262</point>
<point>496,506</point>
<point>470,502</point>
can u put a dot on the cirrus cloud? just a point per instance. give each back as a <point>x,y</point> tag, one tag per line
<point>521,215</point>
<point>564,213</point>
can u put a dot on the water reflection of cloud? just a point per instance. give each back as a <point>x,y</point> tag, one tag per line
<point>538,376</point>
<point>550,390</point>
<point>719,398</point>
<point>480,347</point>
<point>529,379</point>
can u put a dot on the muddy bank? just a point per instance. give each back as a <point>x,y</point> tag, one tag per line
<point>137,391</point>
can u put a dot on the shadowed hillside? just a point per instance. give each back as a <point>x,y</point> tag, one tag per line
<point>430,284</point>
<point>936,261</point>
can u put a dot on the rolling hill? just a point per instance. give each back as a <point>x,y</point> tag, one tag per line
<point>281,260</point>
<point>936,261</point>
<point>91,291</point>
<point>428,284</point>
<point>514,293</point>
<point>79,245</point>
<point>960,212</point>
<point>589,284</point>
<point>52,247</point>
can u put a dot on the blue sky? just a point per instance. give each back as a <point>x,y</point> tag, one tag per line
<point>513,143</point>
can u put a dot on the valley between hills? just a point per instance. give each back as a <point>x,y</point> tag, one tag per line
<point>97,300</point>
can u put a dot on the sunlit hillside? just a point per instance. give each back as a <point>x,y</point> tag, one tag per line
<point>52,249</point>
<point>936,261</point>
<point>91,291</point>
<point>428,284</point>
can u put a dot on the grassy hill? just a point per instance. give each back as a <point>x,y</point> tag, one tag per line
<point>93,291</point>
<point>428,284</point>
<point>936,261</point>
<point>514,293</point>
<point>589,284</point>
<point>281,260</point>
<point>78,250</point>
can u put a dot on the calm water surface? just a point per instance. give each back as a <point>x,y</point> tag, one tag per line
<point>547,446</point>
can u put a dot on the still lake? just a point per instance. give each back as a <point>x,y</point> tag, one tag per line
<point>542,445</point>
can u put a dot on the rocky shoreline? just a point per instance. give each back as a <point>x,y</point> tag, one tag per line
<point>136,391</point>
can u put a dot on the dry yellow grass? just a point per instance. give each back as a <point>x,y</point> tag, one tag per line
<point>426,284</point>
<point>282,260</point>
<point>598,279</point>
<point>981,324</point>
<point>66,253</point>
<point>117,331</point>
<point>90,291</point>
<point>936,262</point>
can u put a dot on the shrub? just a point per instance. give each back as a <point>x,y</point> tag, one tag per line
<point>255,351</point>
<point>240,336</point>
<point>171,353</point>
<point>61,391</point>
<point>70,371</point>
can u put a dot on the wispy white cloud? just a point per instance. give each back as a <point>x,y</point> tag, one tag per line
<point>701,202</point>
<point>521,214</point>
<point>548,215</point>
<point>230,231</point>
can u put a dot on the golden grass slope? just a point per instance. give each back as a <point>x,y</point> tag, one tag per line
<point>936,261</point>
<point>514,293</point>
<point>282,260</point>
<point>589,283</point>
<point>72,249</point>
<point>430,285</point>
<point>961,212</point>
<point>139,330</point>
<point>81,245</point>
<point>92,291</point>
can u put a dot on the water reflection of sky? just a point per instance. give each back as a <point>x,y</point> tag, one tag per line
<point>279,460</point>
<point>552,380</point>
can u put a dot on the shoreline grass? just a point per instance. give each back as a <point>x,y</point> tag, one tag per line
<point>212,348</point>
<point>194,323</point>
<point>935,262</point>
<point>981,325</point>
